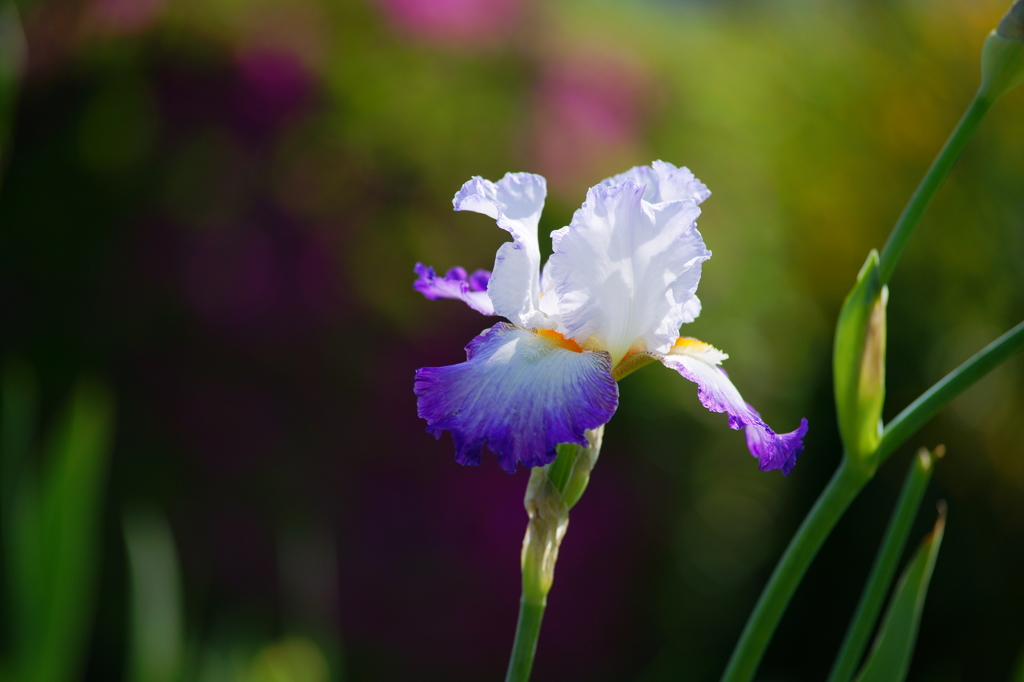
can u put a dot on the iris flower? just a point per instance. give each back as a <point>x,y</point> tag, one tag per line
<point>620,282</point>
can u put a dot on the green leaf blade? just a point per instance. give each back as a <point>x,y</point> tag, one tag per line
<point>884,569</point>
<point>889,660</point>
<point>69,504</point>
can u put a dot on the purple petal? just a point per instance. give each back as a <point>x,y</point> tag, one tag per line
<point>518,392</point>
<point>478,280</point>
<point>455,284</point>
<point>775,450</point>
<point>456,274</point>
<point>698,362</point>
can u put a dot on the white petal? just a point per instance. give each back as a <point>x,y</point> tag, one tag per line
<point>548,295</point>
<point>626,270</point>
<point>515,202</point>
<point>664,182</point>
<point>691,310</point>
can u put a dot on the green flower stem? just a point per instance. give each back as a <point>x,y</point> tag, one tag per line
<point>884,568</point>
<point>527,631</point>
<point>846,483</point>
<point>931,182</point>
<point>956,382</point>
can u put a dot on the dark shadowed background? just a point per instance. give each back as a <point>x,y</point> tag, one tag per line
<point>216,205</point>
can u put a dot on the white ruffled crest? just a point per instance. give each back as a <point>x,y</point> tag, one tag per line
<point>515,202</point>
<point>626,270</point>
<point>664,182</point>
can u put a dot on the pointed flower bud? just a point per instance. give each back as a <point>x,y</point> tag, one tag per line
<point>1002,57</point>
<point>549,519</point>
<point>859,364</point>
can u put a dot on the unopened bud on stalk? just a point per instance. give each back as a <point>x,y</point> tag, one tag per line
<point>1002,57</point>
<point>553,490</point>
<point>859,364</point>
<point>549,519</point>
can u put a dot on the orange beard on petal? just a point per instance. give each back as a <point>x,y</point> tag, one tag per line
<point>557,339</point>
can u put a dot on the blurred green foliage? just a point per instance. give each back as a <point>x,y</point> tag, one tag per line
<point>158,651</point>
<point>51,525</point>
<point>157,622</point>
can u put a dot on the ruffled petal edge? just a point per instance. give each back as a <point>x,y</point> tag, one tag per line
<point>470,289</point>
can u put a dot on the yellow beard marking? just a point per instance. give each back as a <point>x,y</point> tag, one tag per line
<point>556,339</point>
<point>687,343</point>
<point>695,348</point>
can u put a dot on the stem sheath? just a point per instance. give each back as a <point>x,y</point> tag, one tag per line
<point>552,491</point>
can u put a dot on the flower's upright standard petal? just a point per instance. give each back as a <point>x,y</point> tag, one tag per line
<point>691,310</point>
<point>664,182</point>
<point>548,295</point>
<point>471,289</point>
<point>520,392</point>
<point>699,362</point>
<point>626,270</point>
<point>515,202</point>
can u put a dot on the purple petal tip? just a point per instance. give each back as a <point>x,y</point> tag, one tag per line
<point>776,450</point>
<point>471,289</point>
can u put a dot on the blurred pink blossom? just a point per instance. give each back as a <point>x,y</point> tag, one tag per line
<point>468,22</point>
<point>589,113</point>
<point>273,86</point>
<point>126,16</point>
